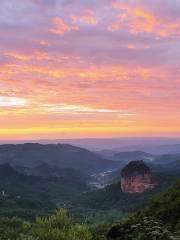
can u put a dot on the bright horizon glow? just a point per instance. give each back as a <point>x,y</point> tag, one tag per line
<point>89,69</point>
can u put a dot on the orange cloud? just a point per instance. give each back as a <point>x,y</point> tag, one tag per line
<point>141,20</point>
<point>35,55</point>
<point>60,27</point>
<point>94,73</point>
<point>18,56</point>
<point>145,21</point>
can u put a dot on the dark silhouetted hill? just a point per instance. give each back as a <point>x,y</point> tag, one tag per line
<point>60,155</point>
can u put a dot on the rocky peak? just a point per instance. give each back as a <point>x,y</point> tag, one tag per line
<point>136,177</point>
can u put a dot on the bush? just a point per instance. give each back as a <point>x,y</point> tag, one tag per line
<point>60,227</point>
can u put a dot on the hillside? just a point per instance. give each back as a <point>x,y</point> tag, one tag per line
<point>24,193</point>
<point>132,156</point>
<point>159,220</point>
<point>61,155</point>
<point>112,197</point>
<point>166,206</point>
<point>46,170</point>
<point>110,202</point>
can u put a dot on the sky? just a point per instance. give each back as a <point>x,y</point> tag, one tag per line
<point>89,68</point>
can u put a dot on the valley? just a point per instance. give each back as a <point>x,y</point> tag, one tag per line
<point>36,179</point>
<point>100,180</point>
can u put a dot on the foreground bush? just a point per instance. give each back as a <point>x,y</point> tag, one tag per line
<point>59,226</point>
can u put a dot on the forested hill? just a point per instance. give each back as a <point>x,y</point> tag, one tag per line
<point>159,220</point>
<point>61,155</point>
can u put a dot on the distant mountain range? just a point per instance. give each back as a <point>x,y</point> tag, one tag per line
<point>154,145</point>
<point>152,148</point>
<point>134,155</point>
<point>59,155</point>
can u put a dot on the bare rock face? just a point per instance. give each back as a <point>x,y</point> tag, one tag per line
<point>136,177</point>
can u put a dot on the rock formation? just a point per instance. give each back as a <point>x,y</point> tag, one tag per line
<point>136,177</point>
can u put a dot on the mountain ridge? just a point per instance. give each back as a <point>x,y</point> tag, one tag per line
<point>61,155</point>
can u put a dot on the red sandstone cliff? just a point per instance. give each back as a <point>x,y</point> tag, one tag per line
<point>136,177</point>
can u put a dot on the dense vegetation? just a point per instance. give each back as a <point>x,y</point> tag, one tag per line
<point>27,196</point>
<point>111,197</point>
<point>58,226</point>
<point>160,220</point>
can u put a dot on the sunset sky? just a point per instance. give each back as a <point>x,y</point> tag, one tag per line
<point>89,68</point>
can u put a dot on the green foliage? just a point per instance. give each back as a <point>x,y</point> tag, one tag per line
<point>94,217</point>
<point>159,221</point>
<point>111,197</point>
<point>15,229</point>
<point>142,229</point>
<point>58,226</point>
<point>167,206</point>
<point>28,196</point>
<point>100,232</point>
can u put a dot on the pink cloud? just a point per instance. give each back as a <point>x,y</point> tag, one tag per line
<point>60,27</point>
<point>140,19</point>
<point>87,17</point>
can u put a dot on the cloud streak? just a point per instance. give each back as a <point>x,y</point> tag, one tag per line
<point>12,102</point>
